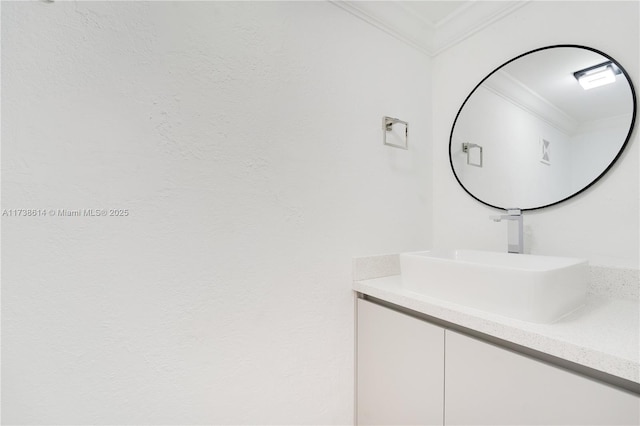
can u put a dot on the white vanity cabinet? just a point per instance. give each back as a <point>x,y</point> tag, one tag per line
<point>400,368</point>
<point>410,371</point>
<point>490,385</point>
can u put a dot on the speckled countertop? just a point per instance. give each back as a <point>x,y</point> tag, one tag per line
<point>603,335</point>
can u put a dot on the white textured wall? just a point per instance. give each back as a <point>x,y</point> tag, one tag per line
<point>245,141</point>
<point>601,224</point>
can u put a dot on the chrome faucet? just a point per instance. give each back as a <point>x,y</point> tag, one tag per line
<point>515,239</point>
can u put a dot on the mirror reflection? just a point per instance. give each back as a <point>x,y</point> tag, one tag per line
<point>543,127</point>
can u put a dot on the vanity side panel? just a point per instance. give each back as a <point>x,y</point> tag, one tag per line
<point>400,368</point>
<point>488,385</point>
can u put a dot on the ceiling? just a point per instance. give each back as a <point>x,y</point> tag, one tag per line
<point>431,25</point>
<point>434,13</point>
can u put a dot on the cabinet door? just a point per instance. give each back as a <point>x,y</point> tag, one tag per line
<point>400,368</point>
<point>488,385</point>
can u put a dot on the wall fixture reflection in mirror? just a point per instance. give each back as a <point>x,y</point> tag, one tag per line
<point>545,137</point>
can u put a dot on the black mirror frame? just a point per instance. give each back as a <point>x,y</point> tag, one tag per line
<point>626,141</point>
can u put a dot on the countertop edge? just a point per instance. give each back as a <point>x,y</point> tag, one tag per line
<point>484,323</point>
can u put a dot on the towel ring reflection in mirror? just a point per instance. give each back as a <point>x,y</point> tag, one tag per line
<point>466,148</point>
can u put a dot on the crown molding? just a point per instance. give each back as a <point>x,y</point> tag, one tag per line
<point>400,21</point>
<point>471,19</point>
<point>393,20</point>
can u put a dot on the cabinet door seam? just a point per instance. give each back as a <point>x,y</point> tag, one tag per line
<point>444,377</point>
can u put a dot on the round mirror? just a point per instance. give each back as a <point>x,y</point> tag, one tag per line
<point>542,127</point>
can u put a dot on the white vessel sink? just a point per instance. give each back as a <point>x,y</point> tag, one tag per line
<point>532,288</point>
